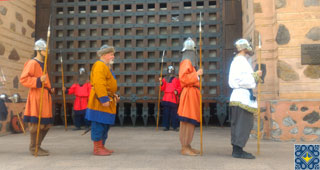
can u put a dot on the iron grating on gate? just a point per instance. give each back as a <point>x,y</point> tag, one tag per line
<point>139,30</point>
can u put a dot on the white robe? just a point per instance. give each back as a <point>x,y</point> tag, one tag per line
<point>241,78</point>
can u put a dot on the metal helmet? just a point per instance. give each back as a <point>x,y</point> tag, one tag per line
<point>242,44</point>
<point>40,45</point>
<point>170,70</point>
<point>16,98</point>
<point>4,97</point>
<point>82,71</point>
<point>189,44</point>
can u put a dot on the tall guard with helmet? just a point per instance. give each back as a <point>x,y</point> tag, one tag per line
<point>103,99</point>
<point>243,104</point>
<point>170,85</point>
<point>189,109</point>
<point>32,78</point>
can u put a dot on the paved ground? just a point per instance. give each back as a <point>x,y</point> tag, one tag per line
<point>141,148</point>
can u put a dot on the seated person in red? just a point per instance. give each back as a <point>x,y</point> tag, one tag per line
<point>170,85</point>
<point>82,91</point>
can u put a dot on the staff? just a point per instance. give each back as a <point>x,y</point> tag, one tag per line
<point>258,97</point>
<point>64,97</point>
<point>200,65</point>
<point>42,88</point>
<point>160,89</point>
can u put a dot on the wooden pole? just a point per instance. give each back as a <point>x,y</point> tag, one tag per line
<point>64,97</point>
<point>200,65</point>
<point>42,89</point>
<point>21,123</point>
<point>158,111</point>
<point>258,98</point>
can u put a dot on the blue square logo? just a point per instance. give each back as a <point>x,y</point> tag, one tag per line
<point>306,157</point>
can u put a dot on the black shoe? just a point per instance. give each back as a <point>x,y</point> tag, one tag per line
<point>248,155</point>
<point>237,152</point>
<point>165,129</point>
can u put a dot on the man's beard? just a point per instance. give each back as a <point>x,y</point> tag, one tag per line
<point>111,62</point>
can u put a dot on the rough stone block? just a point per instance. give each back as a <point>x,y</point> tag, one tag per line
<point>283,35</point>
<point>294,107</point>
<point>3,10</point>
<point>294,130</point>
<point>312,71</point>
<point>2,49</point>
<point>286,72</point>
<point>288,121</point>
<point>308,3</point>
<point>303,109</point>
<point>280,4</point>
<point>19,17</point>
<point>314,34</point>
<point>14,55</point>
<point>312,117</point>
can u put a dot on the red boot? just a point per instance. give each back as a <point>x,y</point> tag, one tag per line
<point>99,149</point>
<point>110,151</point>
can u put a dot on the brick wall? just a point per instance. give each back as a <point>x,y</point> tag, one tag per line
<point>17,24</point>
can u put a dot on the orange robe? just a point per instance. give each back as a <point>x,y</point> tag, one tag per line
<point>30,78</point>
<point>189,108</point>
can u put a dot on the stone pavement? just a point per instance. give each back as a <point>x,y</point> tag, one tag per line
<point>141,148</point>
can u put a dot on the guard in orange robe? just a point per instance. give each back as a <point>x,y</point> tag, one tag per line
<point>32,78</point>
<point>189,108</point>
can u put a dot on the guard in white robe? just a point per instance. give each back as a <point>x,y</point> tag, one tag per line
<point>243,104</point>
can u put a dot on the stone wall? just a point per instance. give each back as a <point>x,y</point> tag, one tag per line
<point>298,23</point>
<point>291,92</point>
<point>290,121</point>
<point>17,25</point>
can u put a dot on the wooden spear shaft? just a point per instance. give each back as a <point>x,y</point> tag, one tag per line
<point>158,111</point>
<point>258,98</point>
<point>21,123</point>
<point>42,89</point>
<point>200,65</point>
<point>64,98</point>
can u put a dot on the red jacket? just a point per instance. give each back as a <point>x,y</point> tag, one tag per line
<point>168,88</point>
<point>82,94</point>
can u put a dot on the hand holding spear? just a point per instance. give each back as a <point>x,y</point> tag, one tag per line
<point>160,89</point>
<point>42,89</point>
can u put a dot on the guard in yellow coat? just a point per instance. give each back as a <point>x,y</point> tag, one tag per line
<point>103,99</point>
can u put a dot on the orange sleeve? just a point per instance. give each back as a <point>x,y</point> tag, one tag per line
<point>187,75</point>
<point>27,77</point>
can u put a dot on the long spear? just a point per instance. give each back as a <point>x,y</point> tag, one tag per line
<point>42,89</point>
<point>158,111</point>
<point>258,97</point>
<point>200,56</point>
<point>64,97</point>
